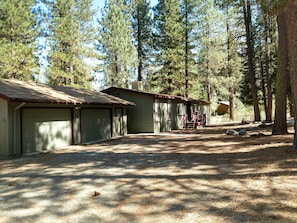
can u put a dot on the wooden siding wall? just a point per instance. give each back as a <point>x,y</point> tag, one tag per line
<point>165,117</point>
<point>179,111</point>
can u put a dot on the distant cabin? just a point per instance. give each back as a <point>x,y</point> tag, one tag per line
<point>39,118</point>
<point>223,107</point>
<point>154,113</point>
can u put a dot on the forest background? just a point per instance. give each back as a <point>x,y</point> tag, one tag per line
<point>205,49</point>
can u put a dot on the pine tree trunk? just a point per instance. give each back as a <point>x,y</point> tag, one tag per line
<point>280,121</point>
<point>263,82</point>
<point>231,104</point>
<point>139,50</point>
<point>268,71</point>
<point>229,70</point>
<point>250,52</point>
<point>186,54</point>
<point>291,18</point>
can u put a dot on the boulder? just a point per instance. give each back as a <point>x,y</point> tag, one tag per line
<point>241,131</point>
<point>258,135</point>
<point>232,132</point>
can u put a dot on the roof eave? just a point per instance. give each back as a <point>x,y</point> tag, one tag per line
<point>64,102</point>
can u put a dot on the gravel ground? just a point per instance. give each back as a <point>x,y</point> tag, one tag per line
<point>199,175</point>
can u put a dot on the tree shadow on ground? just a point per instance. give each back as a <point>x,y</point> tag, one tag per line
<point>157,178</point>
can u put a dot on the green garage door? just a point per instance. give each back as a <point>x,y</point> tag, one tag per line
<point>95,124</point>
<point>45,129</point>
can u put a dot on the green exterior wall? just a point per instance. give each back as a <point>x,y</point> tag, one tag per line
<point>154,114</point>
<point>4,128</point>
<point>44,129</point>
<point>95,124</point>
<point>38,127</point>
<point>140,118</point>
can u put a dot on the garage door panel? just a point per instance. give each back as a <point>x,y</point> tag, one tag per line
<point>95,124</point>
<point>45,129</point>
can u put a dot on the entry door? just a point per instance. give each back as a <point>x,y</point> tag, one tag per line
<point>44,129</point>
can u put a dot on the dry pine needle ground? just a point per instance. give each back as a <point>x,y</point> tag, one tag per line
<point>198,175</point>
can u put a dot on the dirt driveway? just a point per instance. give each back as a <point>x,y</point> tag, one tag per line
<point>187,176</point>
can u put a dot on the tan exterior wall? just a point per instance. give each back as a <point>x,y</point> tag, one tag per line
<point>178,111</point>
<point>201,109</point>
<point>163,115</point>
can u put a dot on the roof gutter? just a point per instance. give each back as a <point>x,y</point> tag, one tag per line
<point>15,127</point>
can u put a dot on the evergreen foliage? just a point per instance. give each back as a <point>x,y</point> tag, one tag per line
<point>169,42</point>
<point>72,41</point>
<point>179,47</point>
<point>189,20</point>
<point>266,58</point>
<point>18,34</point>
<point>233,64</point>
<point>142,26</point>
<point>250,53</point>
<point>116,45</point>
<point>212,54</point>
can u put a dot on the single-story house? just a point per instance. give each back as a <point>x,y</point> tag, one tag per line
<point>155,113</point>
<point>37,118</point>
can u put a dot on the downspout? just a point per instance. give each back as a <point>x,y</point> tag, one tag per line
<point>15,127</point>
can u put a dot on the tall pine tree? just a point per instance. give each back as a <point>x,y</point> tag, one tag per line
<point>212,54</point>
<point>18,34</point>
<point>233,65</point>
<point>72,41</point>
<point>169,40</point>
<point>265,54</point>
<point>116,45</point>
<point>188,10</point>
<point>250,51</point>
<point>142,25</point>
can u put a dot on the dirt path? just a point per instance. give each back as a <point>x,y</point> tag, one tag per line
<point>199,175</point>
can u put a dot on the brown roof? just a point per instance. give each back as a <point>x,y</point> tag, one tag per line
<point>19,91</point>
<point>158,95</point>
<point>166,96</point>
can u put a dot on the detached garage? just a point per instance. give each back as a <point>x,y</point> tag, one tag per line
<point>44,129</point>
<point>38,118</point>
<point>92,122</point>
